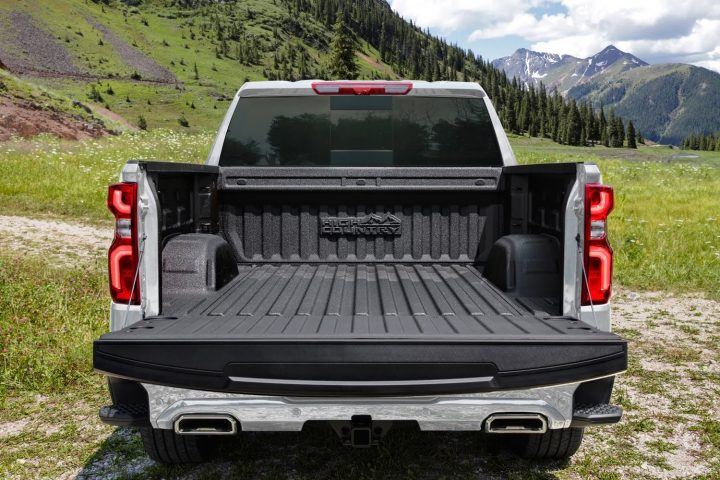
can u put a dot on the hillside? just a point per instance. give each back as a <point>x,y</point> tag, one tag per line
<point>171,59</point>
<point>666,102</point>
<point>27,110</point>
<point>177,63</point>
<point>563,72</point>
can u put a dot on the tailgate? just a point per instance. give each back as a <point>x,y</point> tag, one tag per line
<point>346,330</point>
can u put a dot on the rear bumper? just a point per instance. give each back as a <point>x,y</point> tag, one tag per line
<point>466,412</point>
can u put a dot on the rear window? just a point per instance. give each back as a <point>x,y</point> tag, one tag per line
<point>361,131</point>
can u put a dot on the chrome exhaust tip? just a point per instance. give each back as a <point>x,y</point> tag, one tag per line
<point>516,423</point>
<point>205,424</point>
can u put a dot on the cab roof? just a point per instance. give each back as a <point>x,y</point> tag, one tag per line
<point>305,88</point>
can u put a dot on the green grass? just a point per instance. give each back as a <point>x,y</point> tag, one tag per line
<point>665,229</point>
<point>54,178</point>
<point>49,317</point>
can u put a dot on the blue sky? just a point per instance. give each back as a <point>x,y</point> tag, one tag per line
<point>658,32</point>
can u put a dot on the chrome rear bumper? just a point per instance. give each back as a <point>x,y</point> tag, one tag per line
<point>442,412</point>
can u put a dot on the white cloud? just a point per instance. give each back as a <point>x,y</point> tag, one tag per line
<point>450,15</point>
<point>658,31</point>
<point>528,26</point>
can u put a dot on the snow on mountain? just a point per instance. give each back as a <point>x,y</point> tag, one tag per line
<point>564,71</point>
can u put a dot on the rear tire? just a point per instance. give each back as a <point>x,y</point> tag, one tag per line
<point>165,446</point>
<point>558,444</point>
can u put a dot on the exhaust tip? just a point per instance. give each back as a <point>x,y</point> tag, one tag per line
<point>205,424</point>
<point>516,423</point>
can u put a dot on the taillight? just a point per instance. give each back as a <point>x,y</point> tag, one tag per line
<point>123,253</point>
<point>362,88</point>
<point>599,202</point>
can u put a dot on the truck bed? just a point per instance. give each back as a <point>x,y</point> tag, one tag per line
<point>291,300</point>
<point>341,329</point>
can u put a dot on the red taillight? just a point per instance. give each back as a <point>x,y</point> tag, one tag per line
<point>123,253</point>
<point>362,88</point>
<point>599,202</point>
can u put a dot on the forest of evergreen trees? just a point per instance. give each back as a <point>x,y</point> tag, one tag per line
<point>412,53</point>
<point>710,142</point>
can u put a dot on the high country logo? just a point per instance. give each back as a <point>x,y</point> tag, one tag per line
<point>372,224</point>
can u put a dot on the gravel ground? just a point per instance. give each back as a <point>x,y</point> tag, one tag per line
<point>27,49</point>
<point>671,397</point>
<point>71,241</point>
<point>133,57</point>
<point>30,48</point>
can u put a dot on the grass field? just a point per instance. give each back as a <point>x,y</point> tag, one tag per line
<point>68,180</point>
<point>665,234</point>
<point>666,225</point>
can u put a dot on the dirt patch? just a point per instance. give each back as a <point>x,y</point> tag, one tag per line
<point>671,384</point>
<point>8,429</point>
<point>28,236</point>
<point>29,48</point>
<point>376,64</point>
<point>144,65</point>
<point>109,114</point>
<point>27,119</point>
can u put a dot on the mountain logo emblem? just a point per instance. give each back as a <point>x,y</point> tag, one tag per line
<point>369,225</point>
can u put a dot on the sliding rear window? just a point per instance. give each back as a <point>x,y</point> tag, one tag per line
<point>361,131</point>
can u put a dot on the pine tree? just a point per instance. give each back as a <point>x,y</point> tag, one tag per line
<point>602,124</point>
<point>524,115</point>
<point>195,69</point>
<point>620,128</point>
<point>631,135</point>
<point>142,123</point>
<point>511,116</point>
<point>382,47</point>
<point>343,64</point>
<point>573,125</point>
<point>703,142</point>
<point>613,135</point>
<point>94,95</point>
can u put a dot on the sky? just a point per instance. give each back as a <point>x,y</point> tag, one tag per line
<point>657,31</point>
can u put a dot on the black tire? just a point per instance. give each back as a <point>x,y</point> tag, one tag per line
<point>558,444</point>
<point>165,446</point>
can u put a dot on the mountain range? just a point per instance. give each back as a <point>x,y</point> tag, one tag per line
<point>90,67</point>
<point>565,71</point>
<point>666,102</point>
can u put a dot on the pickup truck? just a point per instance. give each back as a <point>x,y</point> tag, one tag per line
<point>360,253</point>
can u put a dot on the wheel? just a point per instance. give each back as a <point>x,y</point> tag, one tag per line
<point>165,446</point>
<point>552,445</point>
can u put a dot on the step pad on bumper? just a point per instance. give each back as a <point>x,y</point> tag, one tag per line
<point>125,415</point>
<point>596,414</point>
